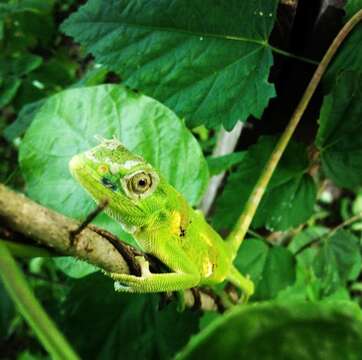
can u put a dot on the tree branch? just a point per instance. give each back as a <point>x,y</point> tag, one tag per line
<point>53,230</point>
<point>93,245</point>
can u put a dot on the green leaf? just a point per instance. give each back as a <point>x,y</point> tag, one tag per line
<point>272,269</point>
<point>94,76</point>
<point>306,237</point>
<point>19,64</point>
<point>352,7</point>
<point>294,330</point>
<point>278,273</point>
<point>8,89</point>
<point>339,260</point>
<point>209,61</point>
<point>11,70</point>
<point>349,56</point>
<point>67,124</point>
<point>220,164</point>
<point>37,27</point>
<point>290,196</point>
<point>251,259</point>
<point>2,28</point>
<point>324,264</point>
<point>73,267</point>
<point>26,355</point>
<point>22,122</point>
<point>36,6</point>
<point>7,312</point>
<point>338,136</point>
<point>103,324</point>
<point>25,64</point>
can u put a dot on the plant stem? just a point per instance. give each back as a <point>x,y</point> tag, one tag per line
<point>347,222</point>
<point>288,54</point>
<point>18,289</point>
<point>238,233</point>
<point>328,235</point>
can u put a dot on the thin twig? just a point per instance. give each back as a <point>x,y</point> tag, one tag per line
<point>91,216</point>
<point>318,239</point>
<point>347,222</point>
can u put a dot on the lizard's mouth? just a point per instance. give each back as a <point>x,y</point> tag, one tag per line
<point>82,173</point>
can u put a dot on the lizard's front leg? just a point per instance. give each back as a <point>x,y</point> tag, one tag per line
<point>154,282</point>
<point>150,282</point>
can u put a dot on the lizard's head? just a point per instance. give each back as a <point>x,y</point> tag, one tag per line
<point>130,186</point>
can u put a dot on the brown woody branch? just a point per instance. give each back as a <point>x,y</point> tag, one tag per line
<point>54,230</point>
<point>96,246</point>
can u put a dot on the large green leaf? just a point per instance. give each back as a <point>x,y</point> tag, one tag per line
<point>67,124</point>
<point>296,330</point>
<point>102,324</point>
<point>339,136</point>
<point>272,269</point>
<point>289,198</point>
<point>207,60</point>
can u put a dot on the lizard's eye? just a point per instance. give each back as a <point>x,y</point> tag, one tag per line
<point>140,184</point>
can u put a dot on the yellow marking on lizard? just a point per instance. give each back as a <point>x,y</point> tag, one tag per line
<point>175,222</point>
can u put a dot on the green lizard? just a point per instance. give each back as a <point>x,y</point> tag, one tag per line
<point>160,220</point>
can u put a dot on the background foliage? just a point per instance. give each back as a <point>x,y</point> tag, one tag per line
<point>164,77</point>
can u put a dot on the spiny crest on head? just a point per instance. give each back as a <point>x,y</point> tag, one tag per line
<point>99,138</point>
<point>111,144</point>
<point>113,153</point>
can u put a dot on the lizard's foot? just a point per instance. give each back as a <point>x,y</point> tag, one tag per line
<point>243,283</point>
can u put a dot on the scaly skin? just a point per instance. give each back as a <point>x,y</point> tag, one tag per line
<point>160,220</point>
